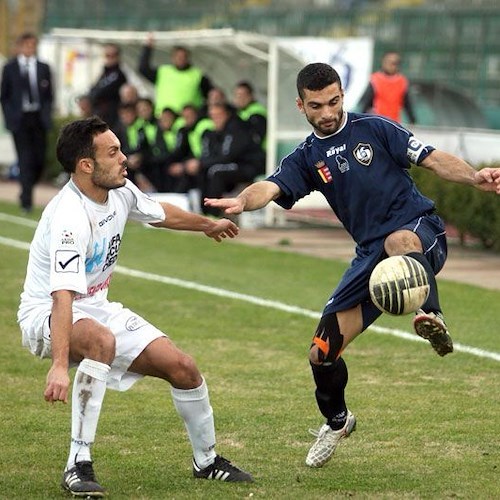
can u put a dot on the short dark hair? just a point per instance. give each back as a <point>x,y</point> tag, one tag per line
<point>179,48</point>
<point>316,76</point>
<point>146,100</point>
<point>226,107</point>
<point>168,110</point>
<point>76,141</point>
<point>27,35</point>
<point>113,46</point>
<point>246,85</point>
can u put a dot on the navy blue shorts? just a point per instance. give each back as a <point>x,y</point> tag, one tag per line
<point>353,287</point>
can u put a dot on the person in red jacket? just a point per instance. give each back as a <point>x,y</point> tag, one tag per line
<point>387,92</point>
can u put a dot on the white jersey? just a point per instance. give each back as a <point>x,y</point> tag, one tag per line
<point>76,245</point>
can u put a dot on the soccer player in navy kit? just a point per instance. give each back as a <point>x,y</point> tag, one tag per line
<point>360,163</point>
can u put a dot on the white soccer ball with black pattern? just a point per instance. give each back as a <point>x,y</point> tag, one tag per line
<point>399,285</point>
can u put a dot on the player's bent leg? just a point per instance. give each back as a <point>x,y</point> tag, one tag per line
<point>402,242</point>
<point>96,345</point>
<point>340,422</point>
<point>92,340</point>
<point>328,342</point>
<point>428,322</point>
<point>162,359</point>
<point>330,374</point>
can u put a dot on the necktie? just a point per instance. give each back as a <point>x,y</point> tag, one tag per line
<point>27,83</point>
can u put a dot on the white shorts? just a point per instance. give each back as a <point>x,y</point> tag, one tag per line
<point>132,333</point>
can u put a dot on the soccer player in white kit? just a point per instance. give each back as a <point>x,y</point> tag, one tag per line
<point>65,315</point>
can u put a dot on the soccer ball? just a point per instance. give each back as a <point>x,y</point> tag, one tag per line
<point>399,285</point>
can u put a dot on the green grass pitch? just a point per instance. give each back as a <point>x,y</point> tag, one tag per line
<point>428,427</point>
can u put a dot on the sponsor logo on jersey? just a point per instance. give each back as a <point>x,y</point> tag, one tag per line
<point>323,171</point>
<point>415,148</point>
<point>134,323</point>
<point>363,153</point>
<point>67,261</point>
<point>92,290</point>
<point>342,164</point>
<point>113,249</point>
<point>97,257</point>
<point>67,238</point>
<point>107,219</point>
<point>335,150</point>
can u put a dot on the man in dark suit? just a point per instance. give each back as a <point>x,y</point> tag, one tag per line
<point>26,96</point>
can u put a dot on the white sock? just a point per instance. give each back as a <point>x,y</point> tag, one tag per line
<point>89,388</point>
<point>193,405</point>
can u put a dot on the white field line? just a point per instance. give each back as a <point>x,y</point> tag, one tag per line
<point>272,304</point>
<point>20,221</point>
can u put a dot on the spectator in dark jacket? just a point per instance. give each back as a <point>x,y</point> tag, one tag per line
<point>230,155</point>
<point>251,111</point>
<point>185,160</point>
<point>105,94</point>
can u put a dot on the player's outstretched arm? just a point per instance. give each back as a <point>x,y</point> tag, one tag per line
<point>176,218</point>
<point>452,168</point>
<point>253,197</point>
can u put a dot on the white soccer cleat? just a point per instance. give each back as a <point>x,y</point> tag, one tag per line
<point>431,326</point>
<point>327,440</point>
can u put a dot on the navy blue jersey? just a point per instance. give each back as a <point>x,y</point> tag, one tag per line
<point>362,170</point>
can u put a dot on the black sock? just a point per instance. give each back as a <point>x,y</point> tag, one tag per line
<point>330,384</point>
<point>432,302</point>
<point>338,421</point>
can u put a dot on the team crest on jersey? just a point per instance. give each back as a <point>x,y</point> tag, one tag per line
<point>324,172</point>
<point>363,153</point>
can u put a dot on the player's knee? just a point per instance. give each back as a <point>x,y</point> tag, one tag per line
<point>184,373</point>
<point>103,347</point>
<point>402,242</point>
<point>108,343</point>
<point>327,341</point>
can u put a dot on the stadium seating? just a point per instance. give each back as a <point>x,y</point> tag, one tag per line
<point>456,44</point>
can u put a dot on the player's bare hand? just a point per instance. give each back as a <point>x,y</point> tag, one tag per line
<point>221,229</point>
<point>229,205</point>
<point>488,179</point>
<point>57,385</point>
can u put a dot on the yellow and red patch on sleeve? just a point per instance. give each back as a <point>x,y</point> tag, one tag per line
<point>324,172</point>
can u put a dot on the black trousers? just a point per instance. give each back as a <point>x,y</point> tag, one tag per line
<point>31,143</point>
